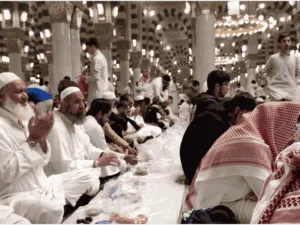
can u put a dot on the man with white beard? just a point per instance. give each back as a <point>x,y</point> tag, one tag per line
<point>23,153</point>
<point>72,148</point>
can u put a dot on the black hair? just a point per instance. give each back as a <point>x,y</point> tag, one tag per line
<point>171,97</point>
<point>283,35</point>
<point>92,41</point>
<point>253,82</point>
<point>195,83</point>
<point>125,97</point>
<point>216,77</point>
<point>238,84</point>
<point>67,78</point>
<point>46,82</point>
<point>166,78</point>
<point>244,100</point>
<point>123,104</point>
<point>41,81</point>
<point>147,101</point>
<point>98,105</point>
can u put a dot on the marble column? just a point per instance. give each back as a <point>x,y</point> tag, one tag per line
<point>104,34</point>
<point>75,44</point>
<point>123,47</point>
<point>48,50</point>
<point>136,59</point>
<point>252,58</point>
<point>13,39</point>
<point>205,41</point>
<point>60,15</point>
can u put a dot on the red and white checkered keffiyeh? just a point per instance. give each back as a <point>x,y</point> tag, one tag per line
<point>250,147</point>
<point>280,199</point>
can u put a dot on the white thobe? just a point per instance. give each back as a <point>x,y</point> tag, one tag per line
<point>145,131</point>
<point>231,192</point>
<point>98,79</point>
<point>127,90</point>
<point>111,87</point>
<point>142,88</point>
<point>72,149</point>
<point>155,89</point>
<point>97,137</point>
<point>283,69</point>
<point>7,216</point>
<point>23,183</point>
<point>185,111</point>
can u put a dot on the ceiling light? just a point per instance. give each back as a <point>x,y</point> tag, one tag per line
<point>31,33</point>
<point>42,35</point>
<point>151,53</point>
<point>134,42</point>
<point>152,13</point>
<point>233,44</point>
<point>190,51</point>
<point>6,14</point>
<point>100,9</point>
<point>23,16</point>
<point>91,12</point>
<point>242,7</point>
<point>115,11</point>
<point>261,17</point>
<point>26,48</point>
<point>42,55</point>
<point>222,45</point>
<point>282,19</point>
<point>83,46</point>
<point>244,48</point>
<point>175,63</point>
<point>31,65</point>
<point>143,51</point>
<point>47,33</point>
<point>261,5</point>
<point>168,47</point>
<point>158,27</point>
<point>145,11</point>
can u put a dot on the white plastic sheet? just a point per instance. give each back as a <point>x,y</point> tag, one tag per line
<point>155,195</point>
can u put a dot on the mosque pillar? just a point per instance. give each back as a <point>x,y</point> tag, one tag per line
<point>205,40</point>
<point>136,59</point>
<point>123,47</point>
<point>75,43</point>
<point>252,58</point>
<point>49,55</point>
<point>104,34</point>
<point>60,16</point>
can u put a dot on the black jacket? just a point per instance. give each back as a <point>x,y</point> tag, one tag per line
<point>205,102</point>
<point>200,135</point>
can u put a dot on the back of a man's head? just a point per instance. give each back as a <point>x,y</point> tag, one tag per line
<point>93,42</point>
<point>253,82</point>
<point>67,78</point>
<point>238,84</point>
<point>166,78</point>
<point>155,100</point>
<point>122,104</point>
<point>243,100</point>
<point>195,83</point>
<point>216,77</point>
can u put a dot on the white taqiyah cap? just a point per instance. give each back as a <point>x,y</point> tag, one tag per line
<point>7,77</point>
<point>109,95</point>
<point>139,98</point>
<point>68,91</point>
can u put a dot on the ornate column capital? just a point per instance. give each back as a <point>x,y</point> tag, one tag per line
<point>60,12</point>
<point>136,59</point>
<point>13,39</point>
<point>123,47</point>
<point>104,34</point>
<point>76,19</point>
<point>205,7</point>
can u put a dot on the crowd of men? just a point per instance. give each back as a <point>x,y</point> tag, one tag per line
<point>235,152</point>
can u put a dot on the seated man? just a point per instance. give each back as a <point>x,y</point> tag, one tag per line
<point>42,100</point>
<point>96,117</point>
<point>23,152</point>
<point>234,170</point>
<point>156,115</point>
<point>72,148</point>
<point>278,203</point>
<point>209,126</point>
<point>111,136</point>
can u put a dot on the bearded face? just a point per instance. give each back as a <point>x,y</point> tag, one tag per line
<point>76,118</point>
<point>23,112</point>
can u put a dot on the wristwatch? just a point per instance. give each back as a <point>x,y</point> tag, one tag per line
<point>96,164</point>
<point>31,143</point>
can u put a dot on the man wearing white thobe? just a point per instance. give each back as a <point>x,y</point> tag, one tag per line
<point>7,216</point>
<point>72,148</point>
<point>23,152</point>
<point>283,68</point>
<point>98,79</point>
<point>158,87</point>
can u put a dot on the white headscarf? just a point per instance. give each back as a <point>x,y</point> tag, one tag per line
<point>6,78</point>
<point>68,91</point>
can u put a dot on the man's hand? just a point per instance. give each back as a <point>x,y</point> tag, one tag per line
<point>108,159</point>
<point>131,151</point>
<point>40,127</point>
<point>131,159</point>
